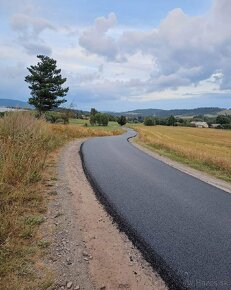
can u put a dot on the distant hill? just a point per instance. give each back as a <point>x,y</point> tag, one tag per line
<point>13,103</point>
<point>167,113</point>
<point>225,112</point>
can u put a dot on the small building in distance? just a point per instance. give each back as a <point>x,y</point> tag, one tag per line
<point>199,124</point>
<point>84,117</point>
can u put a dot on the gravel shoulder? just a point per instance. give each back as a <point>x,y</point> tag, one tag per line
<point>87,249</point>
<point>184,168</point>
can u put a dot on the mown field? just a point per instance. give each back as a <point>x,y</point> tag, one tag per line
<point>208,150</point>
<point>28,147</point>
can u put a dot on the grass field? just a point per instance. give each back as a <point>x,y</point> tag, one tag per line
<point>26,146</point>
<point>208,150</point>
<point>76,129</point>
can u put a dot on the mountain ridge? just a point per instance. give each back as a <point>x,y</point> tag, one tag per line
<point>167,113</point>
<point>13,103</point>
<point>135,113</point>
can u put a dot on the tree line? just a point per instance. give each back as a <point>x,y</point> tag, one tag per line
<point>224,121</point>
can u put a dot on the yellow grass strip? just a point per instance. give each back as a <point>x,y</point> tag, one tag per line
<point>205,149</point>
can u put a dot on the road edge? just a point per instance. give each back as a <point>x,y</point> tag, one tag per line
<point>170,278</point>
<point>202,176</point>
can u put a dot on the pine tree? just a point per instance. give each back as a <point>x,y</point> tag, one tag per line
<point>46,85</point>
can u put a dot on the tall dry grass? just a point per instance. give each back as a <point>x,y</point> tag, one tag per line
<point>71,131</point>
<point>25,144</point>
<point>204,149</point>
<point>26,141</point>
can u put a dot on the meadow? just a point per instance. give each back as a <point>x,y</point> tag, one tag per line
<point>205,149</point>
<point>27,145</point>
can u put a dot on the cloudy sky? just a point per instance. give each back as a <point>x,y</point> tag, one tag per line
<point>122,54</point>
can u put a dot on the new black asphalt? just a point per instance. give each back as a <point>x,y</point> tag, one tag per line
<point>182,225</point>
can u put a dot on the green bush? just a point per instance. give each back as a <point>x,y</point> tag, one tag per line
<point>223,119</point>
<point>171,121</point>
<point>122,120</point>
<point>56,117</point>
<point>104,119</point>
<point>100,119</point>
<point>149,121</point>
<point>92,120</point>
<point>226,126</point>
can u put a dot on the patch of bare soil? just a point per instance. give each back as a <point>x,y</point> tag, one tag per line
<point>88,251</point>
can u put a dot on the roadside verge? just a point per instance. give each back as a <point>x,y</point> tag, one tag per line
<point>88,251</point>
<point>184,168</point>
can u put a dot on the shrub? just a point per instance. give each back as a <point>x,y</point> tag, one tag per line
<point>122,120</point>
<point>171,121</point>
<point>149,121</point>
<point>226,126</point>
<point>104,119</point>
<point>223,119</point>
<point>99,119</point>
<point>92,120</point>
<point>56,117</point>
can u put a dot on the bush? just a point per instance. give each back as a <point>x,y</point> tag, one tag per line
<point>56,117</point>
<point>122,120</point>
<point>149,121</point>
<point>171,121</point>
<point>92,120</point>
<point>99,119</point>
<point>104,119</point>
<point>226,126</point>
<point>223,119</point>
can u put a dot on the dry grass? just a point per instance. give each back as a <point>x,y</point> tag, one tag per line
<point>25,145</point>
<point>67,132</point>
<point>204,149</point>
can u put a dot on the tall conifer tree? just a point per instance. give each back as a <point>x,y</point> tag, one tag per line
<point>46,85</point>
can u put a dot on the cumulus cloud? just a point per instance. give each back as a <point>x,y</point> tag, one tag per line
<point>183,56</point>
<point>29,29</point>
<point>187,49</point>
<point>95,39</point>
<point>29,25</point>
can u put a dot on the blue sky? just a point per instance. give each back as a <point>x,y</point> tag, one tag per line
<point>119,55</point>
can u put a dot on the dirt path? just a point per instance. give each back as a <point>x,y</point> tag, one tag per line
<point>88,251</point>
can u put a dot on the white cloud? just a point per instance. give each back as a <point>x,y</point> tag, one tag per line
<point>109,61</point>
<point>30,26</point>
<point>186,49</point>
<point>95,39</point>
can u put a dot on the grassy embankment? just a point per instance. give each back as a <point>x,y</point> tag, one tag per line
<point>25,148</point>
<point>208,150</point>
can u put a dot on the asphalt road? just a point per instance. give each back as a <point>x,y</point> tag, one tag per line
<point>182,225</point>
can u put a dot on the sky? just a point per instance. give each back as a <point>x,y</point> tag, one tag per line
<point>121,55</point>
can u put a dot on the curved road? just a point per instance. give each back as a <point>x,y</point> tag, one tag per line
<point>182,225</point>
